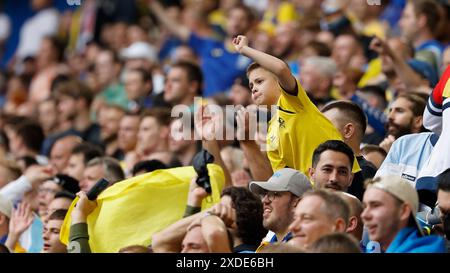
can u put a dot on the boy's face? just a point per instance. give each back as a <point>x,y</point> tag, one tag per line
<point>264,87</point>
<point>52,244</point>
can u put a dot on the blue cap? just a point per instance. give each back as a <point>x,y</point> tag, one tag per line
<point>425,70</point>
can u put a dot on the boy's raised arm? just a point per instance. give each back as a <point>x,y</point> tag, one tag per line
<point>276,66</point>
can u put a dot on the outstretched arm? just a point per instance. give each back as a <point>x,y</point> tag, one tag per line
<point>175,28</point>
<point>401,67</point>
<point>276,66</point>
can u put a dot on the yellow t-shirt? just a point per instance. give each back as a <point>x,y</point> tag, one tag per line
<point>296,130</point>
<point>285,13</point>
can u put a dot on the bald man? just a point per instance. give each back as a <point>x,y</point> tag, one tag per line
<point>61,151</point>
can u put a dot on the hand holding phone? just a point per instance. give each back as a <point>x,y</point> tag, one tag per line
<point>100,186</point>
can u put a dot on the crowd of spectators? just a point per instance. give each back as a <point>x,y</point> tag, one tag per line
<point>351,97</point>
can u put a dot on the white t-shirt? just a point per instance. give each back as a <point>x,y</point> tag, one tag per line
<point>5,26</point>
<point>44,23</point>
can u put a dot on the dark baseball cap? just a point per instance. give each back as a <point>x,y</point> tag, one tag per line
<point>68,183</point>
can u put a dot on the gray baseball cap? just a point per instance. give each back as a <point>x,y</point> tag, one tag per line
<point>283,180</point>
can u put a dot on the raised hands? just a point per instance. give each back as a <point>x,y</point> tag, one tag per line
<point>21,219</point>
<point>208,123</point>
<point>247,126</point>
<point>196,194</point>
<point>240,42</point>
<point>226,213</point>
<point>380,47</point>
<point>36,174</point>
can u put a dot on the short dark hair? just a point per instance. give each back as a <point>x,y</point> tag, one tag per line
<point>335,206</point>
<point>28,161</point>
<point>350,111</point>
<point>193,72</point>
<point>145,75</point>
<point>322,49</point>
<point>65,194</point>
<point>377,91</point>
<point>418,101</point>
<point>31,134</point>
<point>59,79</point>
<point>58,45</point>
<point>371,148</point>
<point>338,242</point>
<point>161,114</point>
<point>88,150</point>
<point>444,181</point>
<point>249,214</point>
<point>59,214</point>
<point>148,166</point>
<point>76,90</point>
<point>430,9</point>
<point>333,145</point>
<point>253,66</point>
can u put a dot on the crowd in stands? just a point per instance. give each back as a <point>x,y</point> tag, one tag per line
<point>339,136</point>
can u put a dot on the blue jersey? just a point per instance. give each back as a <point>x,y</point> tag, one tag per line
<point>220,67</point>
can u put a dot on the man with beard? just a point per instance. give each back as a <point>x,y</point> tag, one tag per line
<point>332,166</point>
<point>280,195</point>
<point>405,117</point>
<point>74,102</point>
<point>351,121</point>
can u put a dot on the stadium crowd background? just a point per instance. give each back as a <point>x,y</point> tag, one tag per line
<point>86,91</point>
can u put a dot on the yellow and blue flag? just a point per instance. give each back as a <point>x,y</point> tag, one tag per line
<point>130,211</point>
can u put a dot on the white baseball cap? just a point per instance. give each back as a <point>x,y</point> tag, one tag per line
<point>140,50</point>
<point>401,189</point>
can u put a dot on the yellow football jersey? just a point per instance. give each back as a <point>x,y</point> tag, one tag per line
<point>296,130</point>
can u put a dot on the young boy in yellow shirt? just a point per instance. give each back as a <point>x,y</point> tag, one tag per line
<point>298,127</point>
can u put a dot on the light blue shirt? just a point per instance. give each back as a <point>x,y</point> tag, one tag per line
<point>408,155</point>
